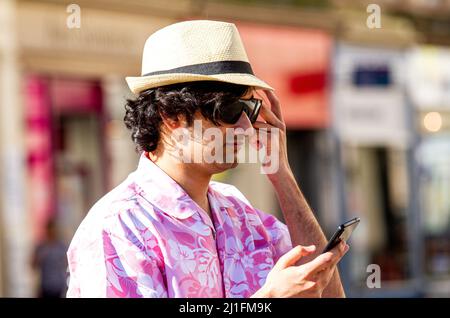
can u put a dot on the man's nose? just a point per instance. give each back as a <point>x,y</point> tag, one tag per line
<point>245,124</point>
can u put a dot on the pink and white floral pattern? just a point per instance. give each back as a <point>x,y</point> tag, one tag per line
<point>148,238</point>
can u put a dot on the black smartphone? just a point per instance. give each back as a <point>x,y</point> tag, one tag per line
<point>342,234</point>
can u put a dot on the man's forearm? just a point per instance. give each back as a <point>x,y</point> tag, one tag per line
<point>302,224</point>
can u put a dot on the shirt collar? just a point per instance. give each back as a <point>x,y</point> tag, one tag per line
<point>160,189</point>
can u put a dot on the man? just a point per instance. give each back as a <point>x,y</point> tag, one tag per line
<point>49,258</point>
<point>168,230</point>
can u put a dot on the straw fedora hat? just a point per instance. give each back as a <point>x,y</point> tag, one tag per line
<point>198,50</point>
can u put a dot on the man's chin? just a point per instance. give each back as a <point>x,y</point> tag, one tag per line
<point>227,165</point>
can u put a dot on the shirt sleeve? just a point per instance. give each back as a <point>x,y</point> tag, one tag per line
<point>280,238</point>
<point>131,262</point>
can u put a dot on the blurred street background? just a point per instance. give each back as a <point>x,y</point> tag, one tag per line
<point>366,102</point>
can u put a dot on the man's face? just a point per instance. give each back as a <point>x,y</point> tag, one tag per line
<point>209,147</point>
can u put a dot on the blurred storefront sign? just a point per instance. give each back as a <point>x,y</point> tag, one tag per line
<point>295,62</point>
<point>369,99</point>
<point>76,96</point>
<point>106,42</point>
<point>371,118</point>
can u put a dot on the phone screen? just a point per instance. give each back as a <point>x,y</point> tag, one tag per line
<point>348,228</point>
<point>342,234</point>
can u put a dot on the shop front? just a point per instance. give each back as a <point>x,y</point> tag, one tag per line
<point>372,122</point>
<point>67,92</point>
<point>429,91</point>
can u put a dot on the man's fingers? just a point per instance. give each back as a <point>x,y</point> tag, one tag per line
<point>275,105</point>
<point>269,116</point>
<point>339,251</point>
<point>260,124</point>
<point>325,260</point>
<point>291,257</point>
<point>342,252</point>
<point>316,265</point>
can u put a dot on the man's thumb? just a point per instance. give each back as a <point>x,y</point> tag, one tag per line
<point>291,257</point>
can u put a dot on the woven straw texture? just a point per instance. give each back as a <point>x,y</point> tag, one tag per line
<point>189,43</point>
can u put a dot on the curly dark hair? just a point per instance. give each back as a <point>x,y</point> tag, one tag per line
<point>143,114</point>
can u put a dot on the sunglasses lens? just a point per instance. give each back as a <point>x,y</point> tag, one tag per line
<point>255,111</point>
<point>230,114</point>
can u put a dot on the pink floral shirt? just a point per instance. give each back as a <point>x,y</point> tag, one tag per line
<point>148,238</point>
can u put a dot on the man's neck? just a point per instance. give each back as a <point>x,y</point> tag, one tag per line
<point>193,181</point>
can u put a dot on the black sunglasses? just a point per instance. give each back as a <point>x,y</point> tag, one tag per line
<point>230,114</point>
